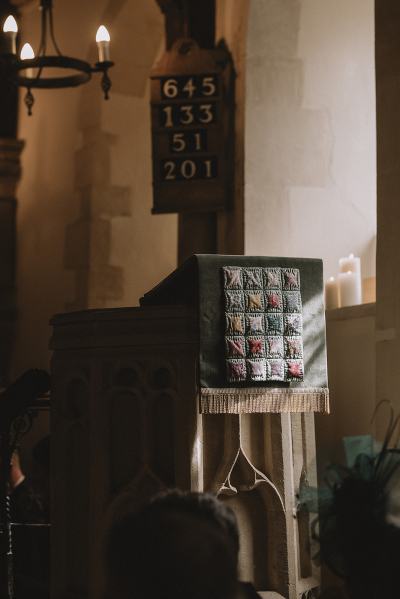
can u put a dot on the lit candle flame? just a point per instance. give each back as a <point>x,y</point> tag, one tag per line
<point>102,34</point>
<point>10,24</point>
<point>27,52</point>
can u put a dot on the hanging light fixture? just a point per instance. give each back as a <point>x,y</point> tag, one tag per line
<point>32,71</point>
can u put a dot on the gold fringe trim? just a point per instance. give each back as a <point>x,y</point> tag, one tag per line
<point>260,400</point>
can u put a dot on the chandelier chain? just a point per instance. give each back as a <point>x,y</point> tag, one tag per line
<point>51,23</point>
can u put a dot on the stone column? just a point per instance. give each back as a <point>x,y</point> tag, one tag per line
<point>10,172</point>
<point>88,239</point>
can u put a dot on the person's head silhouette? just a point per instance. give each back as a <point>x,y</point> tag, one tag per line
<point>180,546</point>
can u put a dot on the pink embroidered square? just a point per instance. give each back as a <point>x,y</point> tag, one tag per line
<point>235,347</point>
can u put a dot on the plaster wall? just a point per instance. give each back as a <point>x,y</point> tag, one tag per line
<point>310,149</point>
<point>86,236</point>
<point>350,338</point>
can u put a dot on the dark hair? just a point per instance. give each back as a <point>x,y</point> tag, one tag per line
<point>201,505</point>
<point>179,546</point>
<point>41,452</point>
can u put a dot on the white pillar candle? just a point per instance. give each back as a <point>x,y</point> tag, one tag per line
<point>349,284</point>
<point>10,30</point>
<point>351,262</point>
<point>103,44</point>
<point>331,294</point>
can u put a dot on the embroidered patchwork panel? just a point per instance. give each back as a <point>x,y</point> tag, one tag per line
<point>263,324</point>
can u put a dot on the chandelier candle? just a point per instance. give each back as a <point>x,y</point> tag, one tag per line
<point>50,68</point>
<point>10,29</point>
<point>27,53</point>
<point>103,44</point>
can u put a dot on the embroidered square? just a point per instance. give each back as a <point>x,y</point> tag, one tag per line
<point>293,347</point>
<point>273,301</point>
<point>233,278</point>
<point>253,278</point>
<point>256,370</point>
<point>254,324</point>
<point>290,278</point>
<point>255,346</point>
<point>294,370</point>
<point>292,301</point>
<point>275,370</point>
<point>274,324</point>
<point>234,301</point>
<point>272,278</point>
<point>274,347</point>
<point>236,370</point>
<point>254,301</point>
<point>235,324</point>
<point>293,324</point>
<point>235,347</point>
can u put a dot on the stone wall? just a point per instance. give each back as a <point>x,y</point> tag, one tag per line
<point>310,172</point>
<point>86,236</point>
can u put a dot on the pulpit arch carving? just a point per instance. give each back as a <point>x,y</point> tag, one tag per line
<point>162,375</point>
<point>258,504</point>
<point>75,407</point>
<point>125,373</point>
<point>237,466</point>
<point>161,442</point>
<point>126,452</point>
<point>140,404</point>
<point>146,372</point>
<point>126,376</point>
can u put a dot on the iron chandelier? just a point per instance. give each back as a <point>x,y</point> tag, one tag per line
<point>30,71</point>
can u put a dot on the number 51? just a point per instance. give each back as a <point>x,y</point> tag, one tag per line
<point>182,142</point>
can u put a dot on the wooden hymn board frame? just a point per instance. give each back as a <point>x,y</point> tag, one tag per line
<point>192,118</point>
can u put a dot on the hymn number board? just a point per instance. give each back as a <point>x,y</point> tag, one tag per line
<point>188,111</point>
<point>189,136</point>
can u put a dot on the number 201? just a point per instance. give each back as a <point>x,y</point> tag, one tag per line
<point>187,169</point>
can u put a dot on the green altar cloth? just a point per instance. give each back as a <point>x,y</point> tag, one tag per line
<point>261,324</point>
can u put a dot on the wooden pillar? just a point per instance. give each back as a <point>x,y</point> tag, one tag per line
<point>387,16</point>
<point>10,172</point>
<point>197,232</point>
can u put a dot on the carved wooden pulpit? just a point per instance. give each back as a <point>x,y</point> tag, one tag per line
<point>127,422</point>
